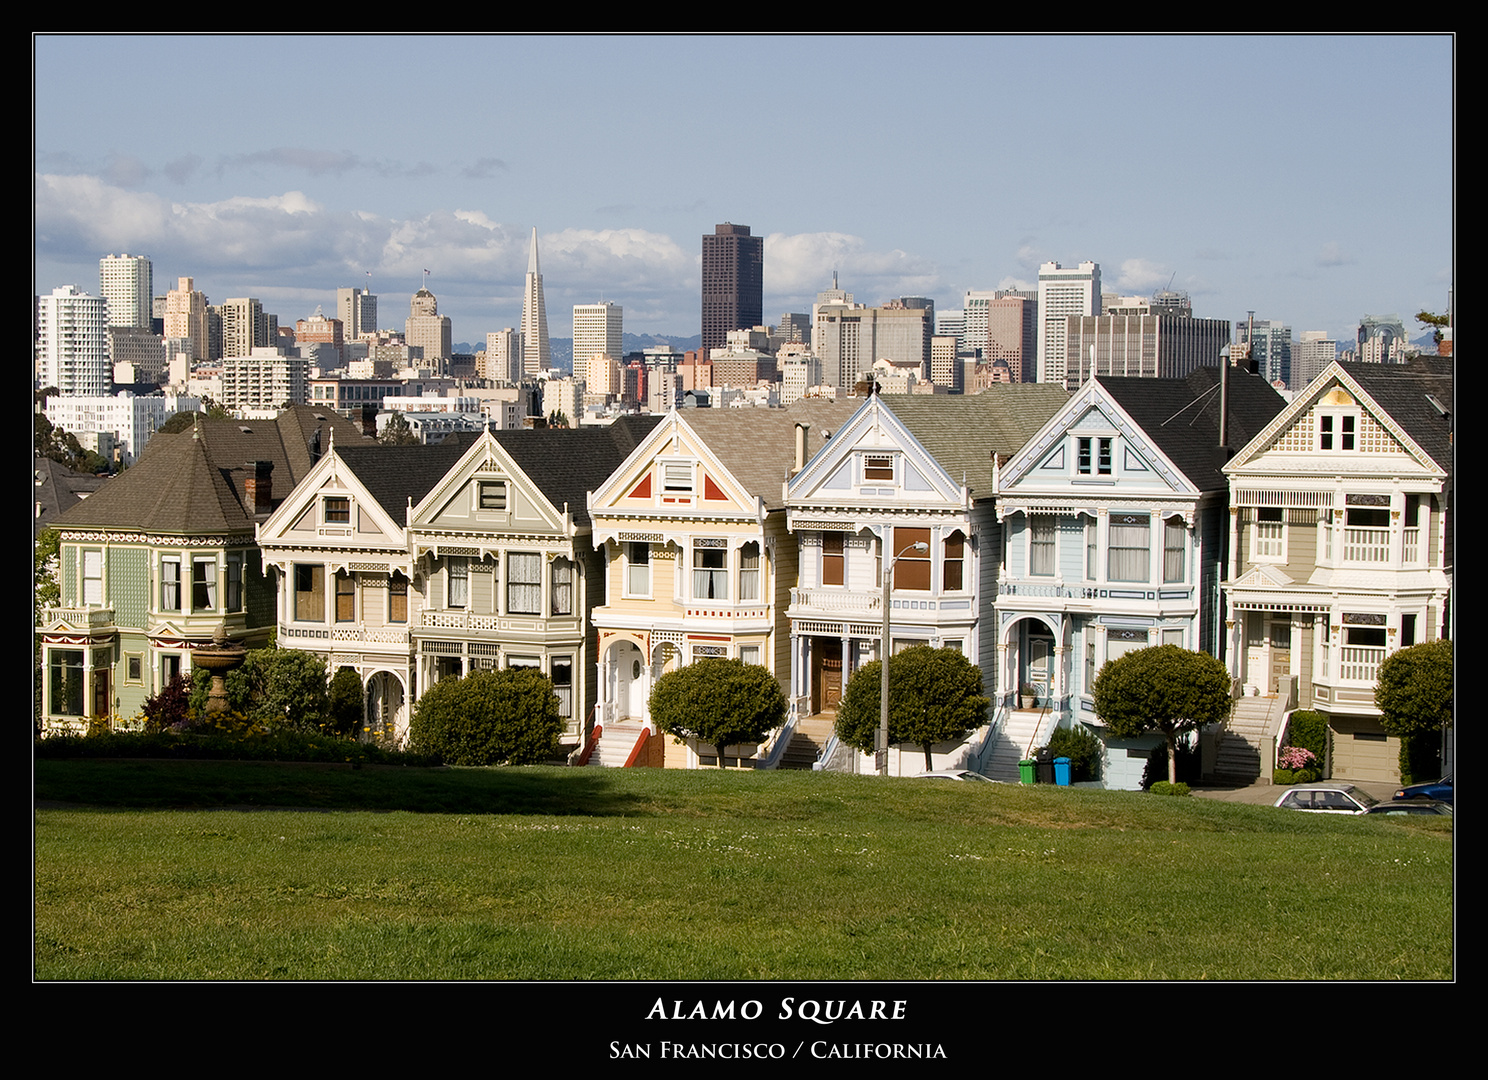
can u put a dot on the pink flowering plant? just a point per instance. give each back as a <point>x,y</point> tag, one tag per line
<point>1295,757</point>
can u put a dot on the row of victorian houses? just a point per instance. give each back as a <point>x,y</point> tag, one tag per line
<point>1040,533</point>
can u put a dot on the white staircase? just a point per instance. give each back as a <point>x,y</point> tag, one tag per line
<point>616,741</point>
<point>1010,743</point>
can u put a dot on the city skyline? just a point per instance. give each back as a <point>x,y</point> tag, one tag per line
<point>1274,174</point>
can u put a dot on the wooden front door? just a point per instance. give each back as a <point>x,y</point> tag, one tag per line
<point>826,686</point>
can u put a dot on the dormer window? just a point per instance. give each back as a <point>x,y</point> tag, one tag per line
<point>879,467</point>
<point>1337,431</point>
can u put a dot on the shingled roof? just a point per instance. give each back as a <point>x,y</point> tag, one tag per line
<point>194,481</point>
<point>566,464</point>
<point>963,432</point>
<point>757,446</point>
<point>1182,417</point>
<point>1402,391</point>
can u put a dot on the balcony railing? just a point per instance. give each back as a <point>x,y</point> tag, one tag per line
<point>823,599</point>
<point>1269,539</point>
<point>1360,663</point>
<point>1412,552</point>
<point>1366,544</point>
<point>459,620</point>
<point>90,618</point>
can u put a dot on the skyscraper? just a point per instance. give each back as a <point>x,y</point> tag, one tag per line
<point>357,310</point>
<point>1270,348</point>
<point>1062,292</point>
<point>72,342</point>
<point>127,282</point>
<point>246,326</point>
<point>537,354</point>
<point>428,329</point>
<point>186,318</point>
<point>596,329</point>
<point>733,283</point>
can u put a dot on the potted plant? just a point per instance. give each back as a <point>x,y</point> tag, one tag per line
<point>1028,693</point>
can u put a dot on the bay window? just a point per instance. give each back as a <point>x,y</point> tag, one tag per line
<point>1042,548</point>
<point>912,570</point>
<point>524,584</point>
<point>710,569</point>
<point>562,599</point>
<point>1129,547</point>
<point>749,571</point>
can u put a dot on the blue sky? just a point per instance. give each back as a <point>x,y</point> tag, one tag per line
<point>1308,178</point>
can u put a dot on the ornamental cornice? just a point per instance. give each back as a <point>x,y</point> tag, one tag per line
<point>111,536</point>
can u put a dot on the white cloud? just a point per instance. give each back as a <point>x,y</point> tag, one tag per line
<point>800,265</point>
<point>1141,276</point>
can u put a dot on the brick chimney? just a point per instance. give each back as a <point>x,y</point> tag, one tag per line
<point>258,488</point>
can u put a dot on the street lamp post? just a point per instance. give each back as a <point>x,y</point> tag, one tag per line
<point>882,756</point>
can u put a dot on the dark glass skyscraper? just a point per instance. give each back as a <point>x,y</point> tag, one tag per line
<point>733,283</point>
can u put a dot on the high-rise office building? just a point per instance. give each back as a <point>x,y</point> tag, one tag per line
<point>850,340</point>
<point>72,342</point>
<point>733,283</point>
<point>1270,348</point>
<point>596,329</point>
<point>425,328</point>
<point>1062,292</point>
<point>127,282</point>
<point>1146,346</point>
<point>1315,351</point>
<point>537,353</point>
<point>186,318</point>
<point>357,310</point>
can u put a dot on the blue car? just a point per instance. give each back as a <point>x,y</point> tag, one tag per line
<point>1440,790</point>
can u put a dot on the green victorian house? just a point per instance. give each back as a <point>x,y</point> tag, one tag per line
<point>163,555</point>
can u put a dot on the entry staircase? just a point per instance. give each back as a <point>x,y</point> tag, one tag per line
<point>1013,732</point>
<point>616,742</point>
<point>1240,757</point>
<point>809,740</point>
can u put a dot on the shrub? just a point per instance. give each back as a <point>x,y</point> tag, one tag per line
<point>1163,787</point>
<point>169,708</point>
<point>1308,730</point>
<point>344,704</point>
<point>1084,750</point>
<point>1420,757</point>
<point>1163,689</point>
<point>489,718</point>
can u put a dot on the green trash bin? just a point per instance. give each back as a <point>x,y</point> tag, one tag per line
<point>1025,771</point>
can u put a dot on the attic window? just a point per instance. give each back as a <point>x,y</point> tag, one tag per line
<point>245,429</point>
<point>676,476</point>
<point>878,467</point>
<point>338,511</point>
<point>492,495</point>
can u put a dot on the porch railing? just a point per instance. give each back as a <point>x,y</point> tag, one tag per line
<point>821,599</point>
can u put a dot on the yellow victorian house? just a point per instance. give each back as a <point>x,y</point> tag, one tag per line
<point>698,563</point>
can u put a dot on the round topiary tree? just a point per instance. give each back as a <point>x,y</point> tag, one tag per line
<point>935,695</point>
<point>1414,695</point>
<point>1164,689</point>
<point>717,701</point>
<point>489,718</point>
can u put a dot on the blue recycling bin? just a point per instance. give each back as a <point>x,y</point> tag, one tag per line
<point>1062,771</point>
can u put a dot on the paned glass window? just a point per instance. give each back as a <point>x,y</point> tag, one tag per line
<point>1042,546</point>
<point>912,571</point>
<point>562,587</point>
<point>710,570</point>
<point>397,598</point>
<point>170,584</point>
<point>309,582</point>
<point>638,569</point>
<point>345,597</point>
<point>203,584</point>
<point>1130,540</point>
<point>1175,544</point>
<point>749,571</point>
<point>459,581</point>
<point>953,563</point>
<point>834,559</point>
<point>524,584</point>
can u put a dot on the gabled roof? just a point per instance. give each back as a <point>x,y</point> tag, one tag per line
<point>1405,392</point>
<point>193,481</point>
<point>757,446</point>
<point>566,464</point>
<point>394,475</point>
<point>963,433</point>
<point>58,489</point>
<point>1410,401</point>
<point>1181,416</point>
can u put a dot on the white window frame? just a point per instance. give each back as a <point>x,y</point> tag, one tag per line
<point>717,577</point>
<point>1051,522</point>
<point>635,568</point>
<point>1268,539</point>
<point>457,582</point>
<point>92,577</point>
<point>170,579</point>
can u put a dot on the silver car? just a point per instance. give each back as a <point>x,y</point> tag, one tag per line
<point>1327,799</point>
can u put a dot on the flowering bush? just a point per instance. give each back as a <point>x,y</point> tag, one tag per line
<point>1295,757</point>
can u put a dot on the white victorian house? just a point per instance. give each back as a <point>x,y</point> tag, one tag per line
<point>1114,533</point>
<point>1341,546</point>
<point>905,483</point>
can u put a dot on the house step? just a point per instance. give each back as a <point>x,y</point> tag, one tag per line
<point>616,742</point>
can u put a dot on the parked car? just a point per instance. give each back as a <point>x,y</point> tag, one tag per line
<point>956,774</point>
<point>1327,799</point>
<point>1412,806</point>
<point>1440,790</point>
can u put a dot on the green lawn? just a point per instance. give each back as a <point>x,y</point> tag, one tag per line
<point>651,874</point>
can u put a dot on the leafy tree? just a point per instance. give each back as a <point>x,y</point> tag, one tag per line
<point>181,421</point>
<point>169,707</point>
<point>1436,322</point>
<point>345,704</point>
<point>1165,689</point>
<point>558,419</point>
<point>396,432</point>
<point>48,590</point>
<point>276,688</point>
<point>718,701</point>
<point>935,695</point>
<point>1414,695</point>
<point>489,718</point>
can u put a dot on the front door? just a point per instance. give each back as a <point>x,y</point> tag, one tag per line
<point>1040,661</point>
<point>826,685</point>
<point>1281,653</point>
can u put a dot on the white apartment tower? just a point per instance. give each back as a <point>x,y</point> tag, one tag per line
<point>186,317</point>
<point>537,355</point>
<point>596,329</point>
<point>357,310</point>
<point>1062,292</point>
<point>72,342</point>
<point>127,282</point>
<point>504,356</point>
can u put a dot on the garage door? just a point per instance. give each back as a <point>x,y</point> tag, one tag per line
<point>1362,750</point>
